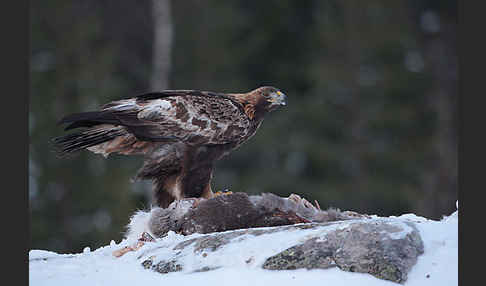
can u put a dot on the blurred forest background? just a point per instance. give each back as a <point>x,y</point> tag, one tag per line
<point>370,125</point>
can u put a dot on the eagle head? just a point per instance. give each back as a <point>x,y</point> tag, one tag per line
<point>260,101</point>
<point>272,97</point>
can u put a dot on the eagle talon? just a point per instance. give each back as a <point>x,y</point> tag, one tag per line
<point>222,193</point>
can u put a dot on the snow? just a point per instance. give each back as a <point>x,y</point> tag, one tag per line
<point>238,251</point>
<point>437,266</point>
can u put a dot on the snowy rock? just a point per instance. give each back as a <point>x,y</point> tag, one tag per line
<point>384,248</point>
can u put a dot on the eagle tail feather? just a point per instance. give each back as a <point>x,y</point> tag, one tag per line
<point>89,119</point>
<point>71,143</point>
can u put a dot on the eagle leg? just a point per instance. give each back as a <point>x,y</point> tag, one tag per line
<point>208,192</point>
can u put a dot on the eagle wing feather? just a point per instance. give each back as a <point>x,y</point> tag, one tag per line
<point>192,117</point>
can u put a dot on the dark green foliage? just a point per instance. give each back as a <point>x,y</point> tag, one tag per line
<point>370,124</point>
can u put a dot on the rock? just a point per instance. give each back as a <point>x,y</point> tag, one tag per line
<point>386,248</point>
<point>311,255</point>
<point>166,267</point>
<point>387,251</point>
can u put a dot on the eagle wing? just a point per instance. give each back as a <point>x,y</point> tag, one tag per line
<point>189,116</point>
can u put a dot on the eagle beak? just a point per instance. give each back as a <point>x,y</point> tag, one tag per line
<point>278,98</point>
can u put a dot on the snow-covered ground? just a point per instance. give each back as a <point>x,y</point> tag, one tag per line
<point>437,266</point>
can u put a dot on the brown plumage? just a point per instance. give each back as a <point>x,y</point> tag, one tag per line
<point>181,133</point>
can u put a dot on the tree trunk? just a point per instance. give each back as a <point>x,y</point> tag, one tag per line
<point>440,184</point>
<point>162,44</point>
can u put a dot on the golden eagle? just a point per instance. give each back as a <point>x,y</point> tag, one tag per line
<point>181,133</point>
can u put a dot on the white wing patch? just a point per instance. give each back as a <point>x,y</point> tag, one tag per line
<point>123,105</point>
<point>155,109</point>
<point>162,104</point>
